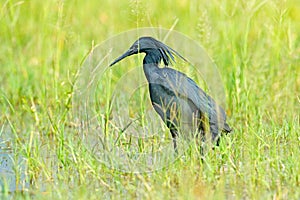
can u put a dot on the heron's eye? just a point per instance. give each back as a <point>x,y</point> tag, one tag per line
<point>135,46</point>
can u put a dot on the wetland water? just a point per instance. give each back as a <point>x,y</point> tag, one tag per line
<point>12,169</point>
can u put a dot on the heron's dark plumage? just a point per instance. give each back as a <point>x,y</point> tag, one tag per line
<point>170,89</point>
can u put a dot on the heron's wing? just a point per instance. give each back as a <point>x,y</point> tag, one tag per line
<point>184,87</point>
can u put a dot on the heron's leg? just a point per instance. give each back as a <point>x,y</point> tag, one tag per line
<point>174,135</point>
<point>201,138</point>
<point>217,141</point>
<point>202,145</point>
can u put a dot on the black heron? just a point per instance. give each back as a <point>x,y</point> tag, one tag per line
<point>182,105</point>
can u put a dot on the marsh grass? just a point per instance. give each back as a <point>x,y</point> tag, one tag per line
<point>255,45</point>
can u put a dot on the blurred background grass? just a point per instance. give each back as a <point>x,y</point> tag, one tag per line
<point>255,45</point>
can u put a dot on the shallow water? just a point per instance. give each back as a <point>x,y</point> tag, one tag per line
<point>12,169</point>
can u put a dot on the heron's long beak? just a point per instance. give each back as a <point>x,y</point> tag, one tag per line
<point>127,53</point>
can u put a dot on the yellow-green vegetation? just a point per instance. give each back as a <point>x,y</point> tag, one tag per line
<point>256,46</point>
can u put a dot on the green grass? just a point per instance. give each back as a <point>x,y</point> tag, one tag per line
<point>256,46</point>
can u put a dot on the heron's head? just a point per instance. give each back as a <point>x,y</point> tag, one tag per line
<point>147,45</point>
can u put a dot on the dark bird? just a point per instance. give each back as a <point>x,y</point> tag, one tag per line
<point>183,106</point>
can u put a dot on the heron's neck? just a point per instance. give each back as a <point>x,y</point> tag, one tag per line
<point>152,57</point>
<point>150,65</point>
